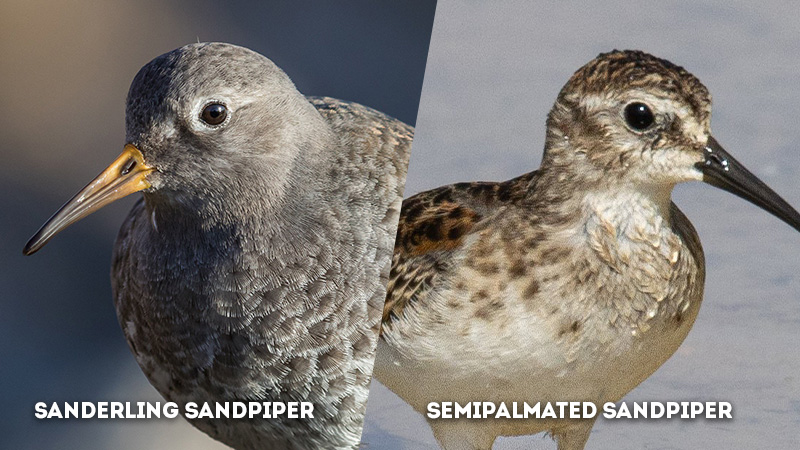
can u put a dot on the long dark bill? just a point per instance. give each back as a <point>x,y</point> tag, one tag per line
<point>126,175</point>
<point>720,169</point>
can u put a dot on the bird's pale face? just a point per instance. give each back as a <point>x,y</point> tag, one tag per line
<point>628,120</point>
<point>639,137</point>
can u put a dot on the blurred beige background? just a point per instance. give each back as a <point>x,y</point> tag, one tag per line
<point>494,70</point>
<point>65,68</point>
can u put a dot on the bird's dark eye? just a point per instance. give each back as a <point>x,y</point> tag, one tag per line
<point>639,116</point>
<point>214,113</point>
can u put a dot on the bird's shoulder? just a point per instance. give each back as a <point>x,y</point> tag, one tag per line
<point>373,148</point>
<point>434,225</point>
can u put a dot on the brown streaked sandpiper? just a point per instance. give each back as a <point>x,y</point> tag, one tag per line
<point>254,268</point>
<point>574,282</point>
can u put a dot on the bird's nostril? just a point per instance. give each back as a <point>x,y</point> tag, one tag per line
<point>714,158</point>
<point>129,165</point>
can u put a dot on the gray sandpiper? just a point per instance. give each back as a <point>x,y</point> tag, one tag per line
<point>255,265</point>
<point>574,282</point>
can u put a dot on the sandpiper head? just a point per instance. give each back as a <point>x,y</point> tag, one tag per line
<point>629,119</point>
<point>201,119</point>
<point>213,110</point>
<point>628,116</point>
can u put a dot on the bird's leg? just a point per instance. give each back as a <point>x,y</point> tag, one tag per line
<point>461,435</point>
<point>574,437</point>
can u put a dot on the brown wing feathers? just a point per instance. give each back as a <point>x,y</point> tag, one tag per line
<point>434,223</point>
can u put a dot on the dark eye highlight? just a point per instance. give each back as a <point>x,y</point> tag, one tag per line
<point>214,113</point>
<point>639,116</point>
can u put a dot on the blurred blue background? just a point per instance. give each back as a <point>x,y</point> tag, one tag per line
<point>65,71</point>
<point>494,71</point>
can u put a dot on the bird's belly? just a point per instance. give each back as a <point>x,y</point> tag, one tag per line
<point>527,358</point>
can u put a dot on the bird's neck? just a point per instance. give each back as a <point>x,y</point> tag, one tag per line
<point>573,201</point>
<point>627,213</point>
<point>248,209</point>
<point>570,186</point>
